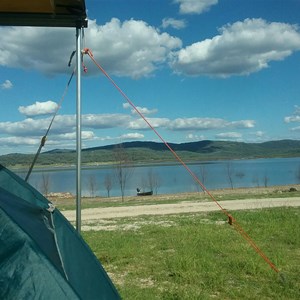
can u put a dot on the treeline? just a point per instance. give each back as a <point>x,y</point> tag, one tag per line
<point>150,152</point>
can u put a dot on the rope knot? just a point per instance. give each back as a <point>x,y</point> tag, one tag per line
<point>87,51</point>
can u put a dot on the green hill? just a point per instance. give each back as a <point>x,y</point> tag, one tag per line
<point>152,152</point>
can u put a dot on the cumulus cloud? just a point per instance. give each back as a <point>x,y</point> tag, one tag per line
<point>195,6</point>
<point>295,117</point>
<point>243,124</point>
<point>140,124</point>
<point>6,85</point>
<point>27,127</point>
<point>296,129</point>
<point>132,136</point>
<point>196,123</point>
<point>240,49</point>
<point>39,108</point>
<point>39,48</point>
<point>194,137</point>
<point>259,133</point>
<point>85,135</point>
<point>130,48</point>
<point>101,121</point>
<point>143,110</point>
<point>229,135</point>
<point>64,125</point>
<point>207,124</point>
<point>15,141</point>
<point>174,23</point>
<point>135,49</point>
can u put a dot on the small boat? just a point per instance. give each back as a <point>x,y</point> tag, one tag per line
<point>139,193</point>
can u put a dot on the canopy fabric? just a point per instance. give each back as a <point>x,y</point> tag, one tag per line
<point>41,255</point>
<point>51,13</point>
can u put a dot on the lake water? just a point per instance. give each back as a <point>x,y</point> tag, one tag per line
<point>174,178</point>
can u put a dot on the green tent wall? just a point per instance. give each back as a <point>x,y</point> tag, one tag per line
<point>41,255</point>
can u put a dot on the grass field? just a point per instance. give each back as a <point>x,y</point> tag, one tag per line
<point>200,256</point>
<point>224,194</point>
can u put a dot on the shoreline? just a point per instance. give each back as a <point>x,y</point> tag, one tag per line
<point>275,190</point>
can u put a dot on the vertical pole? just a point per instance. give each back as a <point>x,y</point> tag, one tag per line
<point>78,129</point>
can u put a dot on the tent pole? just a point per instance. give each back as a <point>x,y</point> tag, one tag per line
<point>78,129</point>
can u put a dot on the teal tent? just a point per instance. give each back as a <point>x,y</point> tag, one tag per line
<point>41,255</point>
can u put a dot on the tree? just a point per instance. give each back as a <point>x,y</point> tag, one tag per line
<point>230,172</point>
<point>203,175</point>
<point>45,184</point>
<point>108,183</point>
<point>297,174</point>
<point>92,183</point>
<point>123,167</point>
<point>266,180</point>
<point>154,181</point>
<point>255,180</point>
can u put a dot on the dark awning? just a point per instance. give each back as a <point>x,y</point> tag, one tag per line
<point>50,13</point>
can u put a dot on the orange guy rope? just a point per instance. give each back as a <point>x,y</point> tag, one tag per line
<point>232,221</point>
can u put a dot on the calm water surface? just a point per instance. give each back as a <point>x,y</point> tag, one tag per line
<point>174,178</point>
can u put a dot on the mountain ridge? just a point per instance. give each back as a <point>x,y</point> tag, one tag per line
<point>148,151</point>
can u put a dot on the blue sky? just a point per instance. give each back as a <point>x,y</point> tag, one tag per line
<point>196,69</point>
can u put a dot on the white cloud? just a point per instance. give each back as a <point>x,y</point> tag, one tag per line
<point>132,136</point>
<point>143,110</point>
<point>140,124</point>
<point>195,6</point>
<point>64,125</point>
<point>196,123</point>
<point>6,85</point>
<point>39,48</point>
<point>174,23</point>
<point>27,127</point>
<point>295,128</point>
<point>85,135</point>
<point>240,49</point>
<point>259,133</point>
<point>243,124</point>
<point>207,124</point>
<point>38,108</point>
<point>290,119</point>
<point>132,48</point>
<point>194,137</point>
<point>101,121</point>
<point>295,116</point>
<point>229,135</point>
<point>15,141</point>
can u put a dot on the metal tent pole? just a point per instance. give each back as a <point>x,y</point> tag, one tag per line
<point>78,128</point>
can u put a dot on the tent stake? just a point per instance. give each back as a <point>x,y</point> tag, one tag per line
<point>78,129</point>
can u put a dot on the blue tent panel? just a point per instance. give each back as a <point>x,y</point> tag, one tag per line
<point>41,254</point>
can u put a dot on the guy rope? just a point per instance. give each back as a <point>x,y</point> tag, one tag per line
<point>231,220</point>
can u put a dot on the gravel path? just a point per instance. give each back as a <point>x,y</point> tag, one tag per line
<point>176,208</point>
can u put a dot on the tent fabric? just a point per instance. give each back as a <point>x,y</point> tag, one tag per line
<point>52,13</point>
<point>41,254</point>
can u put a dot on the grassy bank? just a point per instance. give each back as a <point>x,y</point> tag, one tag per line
<point>200,256</point>
<point>68,203</point>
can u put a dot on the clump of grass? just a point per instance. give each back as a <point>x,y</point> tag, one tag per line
<point>197,259</point>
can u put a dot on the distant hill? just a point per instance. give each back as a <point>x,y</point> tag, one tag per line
<point>152,152</point>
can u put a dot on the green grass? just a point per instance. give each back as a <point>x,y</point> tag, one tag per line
<point>200,256</point>
<point>219,195</point>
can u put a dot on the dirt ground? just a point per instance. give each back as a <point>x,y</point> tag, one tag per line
<point>200,202</point>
